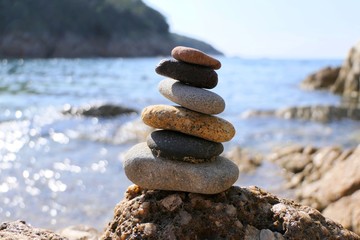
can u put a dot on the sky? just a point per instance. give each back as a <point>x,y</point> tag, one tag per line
<point>323,29</point>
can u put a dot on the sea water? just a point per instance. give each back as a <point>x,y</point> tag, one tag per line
<point>58,170</point>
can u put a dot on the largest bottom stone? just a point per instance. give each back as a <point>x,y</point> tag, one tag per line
<point>150,172</point>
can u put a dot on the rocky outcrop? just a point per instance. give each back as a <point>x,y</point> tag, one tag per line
<point>313,113</point>
<point>348,81</point>
<point>237,213</point>
<point>325,178</point>
<point>103,111</point>
<point>344,80</point>
<point>322,79</point>
<point>19,230</point>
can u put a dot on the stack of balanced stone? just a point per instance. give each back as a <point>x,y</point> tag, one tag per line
<point>184,154</point>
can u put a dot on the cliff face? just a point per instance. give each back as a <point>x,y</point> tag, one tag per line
<point>86,28</point>
<point>344,80</point>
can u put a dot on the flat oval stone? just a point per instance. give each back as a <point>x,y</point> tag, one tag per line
<point>189,122</point>
<point>191,74</point>
<point>197,99</point>
<point>178,146</point>
<point>195,56</point>
<point>148,171</point>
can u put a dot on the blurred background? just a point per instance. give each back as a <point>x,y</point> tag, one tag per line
<point>74,75</point>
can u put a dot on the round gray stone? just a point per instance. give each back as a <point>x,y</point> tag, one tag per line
<point>178,146</point>
<point>150,172</point>
<point>196,99</point>
<point>191,74</point>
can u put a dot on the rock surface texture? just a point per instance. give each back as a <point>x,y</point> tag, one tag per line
<point>193,98</point>
<point>194,75</point>
<point>151,172</point>
<point>189,122</point>
<point>19,230</point>
<point>167,144</point>
<point>191,55</point>
<point>237,213</point>
<point>325,178</point>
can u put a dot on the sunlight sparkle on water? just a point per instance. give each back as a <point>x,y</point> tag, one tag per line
<point>56,185</point>
<point>100,166</point>
<point>18,114</point>
<point>66,166</point>
<point>59,137</point>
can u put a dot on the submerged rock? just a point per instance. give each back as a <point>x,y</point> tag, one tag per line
<point>237,213</point>
<point>103,111</point>
<point>326,178</point>
<point>19,230</point>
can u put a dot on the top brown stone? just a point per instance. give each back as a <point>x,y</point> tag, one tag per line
<point>194,56</point>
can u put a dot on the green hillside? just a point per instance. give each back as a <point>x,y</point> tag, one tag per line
<point>52,26</point>
<point>103,18</point>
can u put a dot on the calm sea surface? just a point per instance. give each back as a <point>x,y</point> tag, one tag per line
<point>58,170</point>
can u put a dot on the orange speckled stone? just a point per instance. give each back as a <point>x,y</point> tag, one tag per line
<point>189,122</point>
<point>195,56</point>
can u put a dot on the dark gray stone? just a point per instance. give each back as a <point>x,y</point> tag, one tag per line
<point>147,171</point>
<point>191,74</point>
<point>178,146</point>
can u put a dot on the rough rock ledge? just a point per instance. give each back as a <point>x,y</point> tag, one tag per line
<point>238,213</point>
<point>19,230</point>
